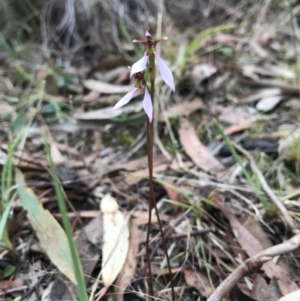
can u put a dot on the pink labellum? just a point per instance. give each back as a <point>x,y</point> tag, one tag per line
<point>165,72</point>
<point>125,100</point>
<point>147,105</point>
<point>139,66</point>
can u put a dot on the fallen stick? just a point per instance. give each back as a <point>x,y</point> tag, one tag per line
<point>252,265</point>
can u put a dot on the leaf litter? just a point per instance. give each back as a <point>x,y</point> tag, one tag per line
<point>245,79</point>
<point>115,240</point>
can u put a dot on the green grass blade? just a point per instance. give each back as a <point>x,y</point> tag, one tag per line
<point>81,288</point>
<point>138,53</point>
<point>173,259</point>
<point>237,158</point>
<point>196,43</point>
<point>4,218</point>
<point>6,183</point>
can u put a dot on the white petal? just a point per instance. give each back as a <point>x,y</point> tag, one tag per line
<point>140,65</point>
<point>165,72</point>
<point>147,105</point>
<point>125,99</point>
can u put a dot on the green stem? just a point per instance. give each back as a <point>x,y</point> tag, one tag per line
<point>152,202</point>
<point>81,287</point>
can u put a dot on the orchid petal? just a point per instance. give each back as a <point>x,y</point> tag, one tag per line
<point>165,72</point>
<point>147,105</point>
<point>125,99</point>
<point>147,34</point>
<point>140,65</point>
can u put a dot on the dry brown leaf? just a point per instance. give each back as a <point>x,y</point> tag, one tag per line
<point>258,49</point>
<point>123,76</point>
<point>41,72</point>
<point>109,63</point>
<point>197,151</point>
<point>271,71</point>
<point>89,244</point>
<point>83,214</point>
<point>5,108</point>
<point>249,71</point>
<point>202,71</point>
<point>103,87</point>
<point>243,125</point>
<point>264,93</point>
<point>134,177</point>
<point>263,291</point>
<point>232,114</point>
<point>174,196</point>
<point>199,281</point>
<point>267,37</point>
<point>142,217</point>
<point>183,108</point>
<point>115,240</point>
<point>225,39</point>
<point>236,249</point>
<point>108,113</point>
<point>279,71</point>
<point>139,163</point>
<point>127,273</point>
<point>91,96</point>
<point>9,284</point>
<point>294,296</point>
<point>272,83</point>
<point>56,155</point>
<point>253,246</point>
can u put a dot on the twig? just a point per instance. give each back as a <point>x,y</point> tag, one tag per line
<point>253,264</point>
<point>36,285</point>
<point>269,192</point>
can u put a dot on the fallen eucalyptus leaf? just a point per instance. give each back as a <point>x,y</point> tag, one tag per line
<point>52,237</point>
<point>103,87</point>
<point>269,103</point>
<point>115,240</point>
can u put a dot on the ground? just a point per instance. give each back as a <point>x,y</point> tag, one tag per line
<point>226,152</point>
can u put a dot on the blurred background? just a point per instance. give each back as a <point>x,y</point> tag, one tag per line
<point>88,30</point>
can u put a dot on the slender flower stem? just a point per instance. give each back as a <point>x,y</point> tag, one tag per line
<point>151,192</point>
<point>152,202</point>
